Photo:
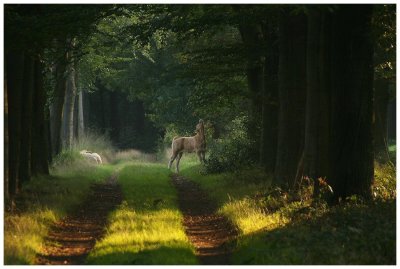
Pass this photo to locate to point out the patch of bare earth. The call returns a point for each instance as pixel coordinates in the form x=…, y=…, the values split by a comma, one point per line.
x=70, y=239
x=212, y=234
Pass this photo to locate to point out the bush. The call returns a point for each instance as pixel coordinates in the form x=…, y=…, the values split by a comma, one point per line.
x=232, y=153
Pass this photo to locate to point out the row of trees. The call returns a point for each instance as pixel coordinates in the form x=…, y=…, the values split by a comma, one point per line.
x=311, y=71
x=40, y=89
x=303, y=76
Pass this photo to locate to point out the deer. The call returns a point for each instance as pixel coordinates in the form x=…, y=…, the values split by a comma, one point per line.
x=196, y=143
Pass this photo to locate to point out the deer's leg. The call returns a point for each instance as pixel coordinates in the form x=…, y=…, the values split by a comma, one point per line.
x=171, y=160
x=203, y=156
x=178, y=160
x=199, y=155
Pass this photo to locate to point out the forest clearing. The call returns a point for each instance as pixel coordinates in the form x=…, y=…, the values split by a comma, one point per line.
x=199, y=134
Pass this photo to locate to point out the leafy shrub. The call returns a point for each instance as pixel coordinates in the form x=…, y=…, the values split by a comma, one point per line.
x=234, y=151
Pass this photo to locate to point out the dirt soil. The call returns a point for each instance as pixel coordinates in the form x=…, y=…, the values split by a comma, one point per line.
x=213, y=235
x=70, y=239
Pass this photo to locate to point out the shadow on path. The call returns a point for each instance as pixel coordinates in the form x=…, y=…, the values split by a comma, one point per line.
x=210, y=233
x=70, y=239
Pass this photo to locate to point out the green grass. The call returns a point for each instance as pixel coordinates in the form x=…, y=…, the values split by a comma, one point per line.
x=235, y=197
x=42, y=201
x=147, y=227
x=298, y=233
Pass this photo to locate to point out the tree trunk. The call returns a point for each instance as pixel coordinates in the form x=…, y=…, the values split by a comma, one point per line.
x=269, y=124
x=252, y=37
x=380, y=130
x=47, y=128
x=26, y=120
x=292, y=93
x=68, y=117
x=351, y=148
x=391, y=119
x=76, y=112
x=314, y=162
x=6, y=141
x=114, y=116
x=81, y=122
x=56, y=109
x=14, y=62
x=40, y=148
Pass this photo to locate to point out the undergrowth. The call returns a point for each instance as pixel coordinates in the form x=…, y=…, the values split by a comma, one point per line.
x=90, y=141
x=42, y=201
x=277, y=227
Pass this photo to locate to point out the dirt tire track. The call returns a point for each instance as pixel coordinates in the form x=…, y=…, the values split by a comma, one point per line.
x=71, y=239
x=211, y=234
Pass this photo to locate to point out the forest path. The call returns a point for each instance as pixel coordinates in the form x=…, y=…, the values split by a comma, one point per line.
x=70, y=239
x=209, y=232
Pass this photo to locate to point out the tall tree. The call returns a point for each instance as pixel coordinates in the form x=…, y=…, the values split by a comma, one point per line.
x=270, y=108
x=40, y=151
x=252, y=36
x=57, y=105
x=315, y=162
x=351, y=148
x=81, y=121
x=69, y=104
x=6, y=140
x=292, y=93
x=14, y=60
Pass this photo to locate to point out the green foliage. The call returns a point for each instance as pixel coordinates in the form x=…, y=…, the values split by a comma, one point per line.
x=384, y=34
x=179, y=76
x=233, y=152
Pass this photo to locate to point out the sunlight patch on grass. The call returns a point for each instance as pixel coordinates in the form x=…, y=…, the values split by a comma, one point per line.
x=42, y=201
x=297, y=232
x=24, y=234
x=249, y=218
x=235, y=198
x=147, y=226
